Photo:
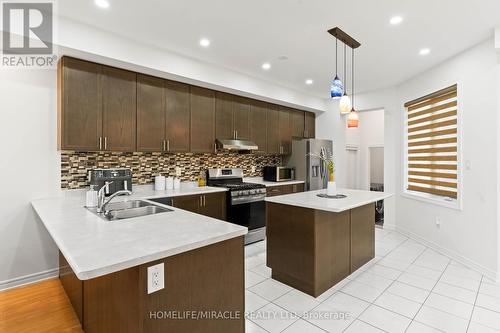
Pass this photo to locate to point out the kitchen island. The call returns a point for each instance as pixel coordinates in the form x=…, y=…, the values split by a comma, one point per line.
x=313, y=243
x=104, y=265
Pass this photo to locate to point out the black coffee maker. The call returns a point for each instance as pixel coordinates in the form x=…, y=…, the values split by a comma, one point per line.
x=117, y=178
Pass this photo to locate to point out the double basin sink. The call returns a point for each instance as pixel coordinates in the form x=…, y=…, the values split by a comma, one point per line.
x=129, y=209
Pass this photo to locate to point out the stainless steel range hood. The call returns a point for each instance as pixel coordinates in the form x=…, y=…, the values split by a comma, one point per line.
x=238, y=145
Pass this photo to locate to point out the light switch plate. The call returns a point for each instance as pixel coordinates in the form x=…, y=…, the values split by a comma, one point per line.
x=156, y=278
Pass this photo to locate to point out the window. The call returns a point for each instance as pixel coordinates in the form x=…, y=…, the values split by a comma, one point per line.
x=432, y=146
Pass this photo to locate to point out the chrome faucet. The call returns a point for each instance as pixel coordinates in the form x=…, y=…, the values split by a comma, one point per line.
x=101, y=197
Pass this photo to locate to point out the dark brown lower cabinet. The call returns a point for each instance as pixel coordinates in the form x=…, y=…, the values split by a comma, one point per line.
x=200, y=281
x=362, y=239
x=211, y=204
x=312, y=250
x=284, y=189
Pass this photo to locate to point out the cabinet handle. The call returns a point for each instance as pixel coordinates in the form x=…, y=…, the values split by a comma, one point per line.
x=215, y=148
x=201, y=201
x=168, y=145
x=105, y=142
x=204, y=201
x=236, y=134
x=100, y=143
x=164, y=145
x=172, y=202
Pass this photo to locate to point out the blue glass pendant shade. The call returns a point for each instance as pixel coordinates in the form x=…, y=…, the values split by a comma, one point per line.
x=336, y=88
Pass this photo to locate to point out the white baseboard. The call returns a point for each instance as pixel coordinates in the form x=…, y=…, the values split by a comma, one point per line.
x=388, y=226
x=452, y=254
x=29, y=279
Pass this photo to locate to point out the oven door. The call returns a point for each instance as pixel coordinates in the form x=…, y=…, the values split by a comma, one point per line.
x=251, y=215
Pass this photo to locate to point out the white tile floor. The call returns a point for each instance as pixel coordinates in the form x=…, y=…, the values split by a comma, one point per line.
x=406, y=288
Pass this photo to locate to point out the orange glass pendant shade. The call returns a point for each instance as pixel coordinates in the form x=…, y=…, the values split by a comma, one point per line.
x=352, y=119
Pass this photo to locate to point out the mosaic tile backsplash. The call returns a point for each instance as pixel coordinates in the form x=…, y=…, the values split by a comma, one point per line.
x=145, y=166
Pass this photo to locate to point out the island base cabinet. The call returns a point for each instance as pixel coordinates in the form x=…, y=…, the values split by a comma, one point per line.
x=312, y=250
x=207, y=282
x=362, y=235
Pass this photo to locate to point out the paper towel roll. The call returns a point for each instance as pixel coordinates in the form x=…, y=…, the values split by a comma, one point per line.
x=160, y=183
x=170, y=183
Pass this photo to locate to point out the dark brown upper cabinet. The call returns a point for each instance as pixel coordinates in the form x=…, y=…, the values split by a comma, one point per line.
x=297, y=119
x=257, y=124
x=105, y=108
x=79, y=105
x=273, y=137
x=241, y=112
x=119, y=88
x=202, y=120
x=232, y=117
x=178, y=115
x=285, y=133
x=150, y=113
x=310, y=125
x=224, y=116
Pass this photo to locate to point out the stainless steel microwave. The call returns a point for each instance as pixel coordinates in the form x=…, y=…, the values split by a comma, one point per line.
x=278, y=174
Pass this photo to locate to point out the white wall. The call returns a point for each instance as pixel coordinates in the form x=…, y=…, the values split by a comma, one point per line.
x=470, y=235
x=29, y=169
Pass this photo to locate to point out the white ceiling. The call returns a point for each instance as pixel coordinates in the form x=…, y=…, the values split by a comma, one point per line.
x=246, y=33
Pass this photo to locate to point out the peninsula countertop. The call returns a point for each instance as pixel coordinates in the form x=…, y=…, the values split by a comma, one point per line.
x=355, y=198
x=94, y=247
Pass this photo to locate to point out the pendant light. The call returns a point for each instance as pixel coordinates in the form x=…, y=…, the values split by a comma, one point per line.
x=353, y=117
x=345, y=102
x=337, y=87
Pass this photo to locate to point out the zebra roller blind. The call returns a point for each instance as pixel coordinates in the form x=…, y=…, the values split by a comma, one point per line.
x=432, y=145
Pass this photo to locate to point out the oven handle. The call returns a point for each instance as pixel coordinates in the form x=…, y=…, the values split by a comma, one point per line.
x=253, y=198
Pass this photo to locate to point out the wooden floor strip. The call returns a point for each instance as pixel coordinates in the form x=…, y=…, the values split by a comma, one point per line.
x=41, y=307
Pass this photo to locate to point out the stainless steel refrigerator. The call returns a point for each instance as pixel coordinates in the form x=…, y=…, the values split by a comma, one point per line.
x=308, y=166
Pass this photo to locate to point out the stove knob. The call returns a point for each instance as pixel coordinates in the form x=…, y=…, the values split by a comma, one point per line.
x=234, y=194
x=252, y=191
x=246, y=192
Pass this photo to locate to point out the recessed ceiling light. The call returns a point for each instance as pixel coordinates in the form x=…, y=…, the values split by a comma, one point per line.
x=102, y=3
x=425, y=51
x=205, y=42
x=395, y=20
x=309, y=82
x=266, y=66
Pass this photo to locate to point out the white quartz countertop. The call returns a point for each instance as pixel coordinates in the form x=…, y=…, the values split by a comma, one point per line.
x=355, y=198
x=260, y=180
x=94, y=247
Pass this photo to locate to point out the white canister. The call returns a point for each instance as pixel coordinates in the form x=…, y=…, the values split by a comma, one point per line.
x=170, y=183
x=160, y=183
x=177, y=183
x=331, y=189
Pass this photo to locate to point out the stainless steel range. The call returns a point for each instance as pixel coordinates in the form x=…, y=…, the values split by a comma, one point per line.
x=245, y=201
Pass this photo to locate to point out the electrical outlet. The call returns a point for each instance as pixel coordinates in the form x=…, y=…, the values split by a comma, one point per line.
x=178, y=171
x=156, y=278
x=438, y=222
